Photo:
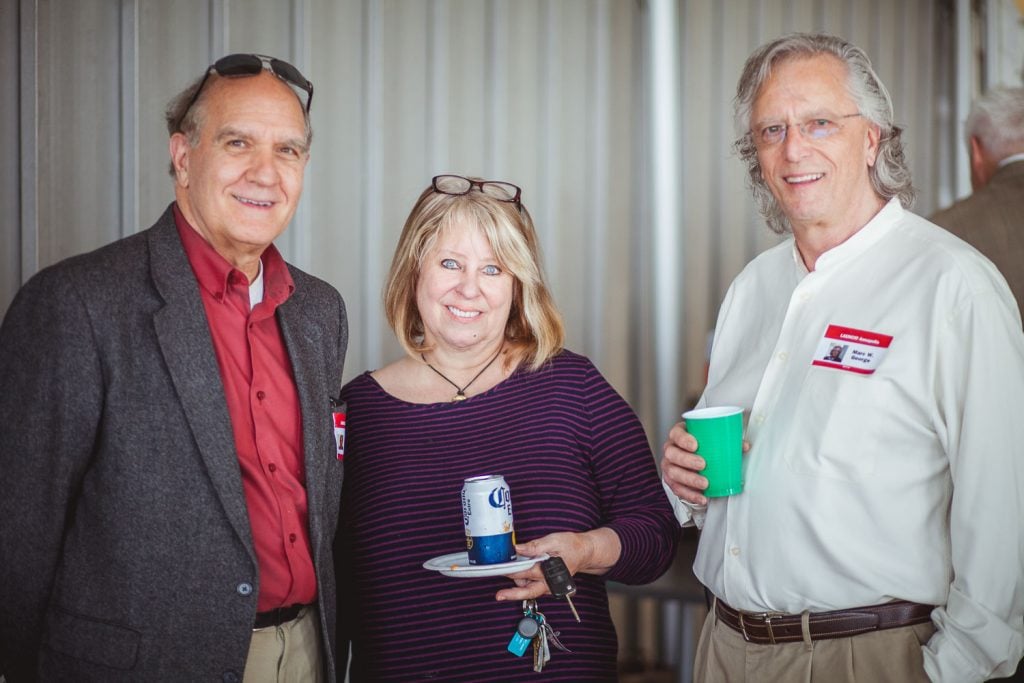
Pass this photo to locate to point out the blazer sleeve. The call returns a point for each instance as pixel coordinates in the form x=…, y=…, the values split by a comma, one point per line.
x=51, y=404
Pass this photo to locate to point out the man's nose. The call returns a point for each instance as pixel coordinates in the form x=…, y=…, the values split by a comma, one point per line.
x=263, y=168
x=795, y=144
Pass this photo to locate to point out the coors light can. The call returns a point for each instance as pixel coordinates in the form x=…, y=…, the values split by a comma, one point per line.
x=487, y=516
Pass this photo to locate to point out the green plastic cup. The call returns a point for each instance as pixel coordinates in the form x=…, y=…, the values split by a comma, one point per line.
x=719, y=434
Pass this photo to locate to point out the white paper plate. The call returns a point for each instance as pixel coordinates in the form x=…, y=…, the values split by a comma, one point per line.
x=457, y=564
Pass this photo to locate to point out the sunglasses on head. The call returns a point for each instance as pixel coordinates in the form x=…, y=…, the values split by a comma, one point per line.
x=251, y=65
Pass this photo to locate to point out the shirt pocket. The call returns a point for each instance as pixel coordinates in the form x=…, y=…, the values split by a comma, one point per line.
x=835, y=435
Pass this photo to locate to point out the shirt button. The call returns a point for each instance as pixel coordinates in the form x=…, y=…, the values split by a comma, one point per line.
x=272, y=467
x=735, y=551
x=261, y=395
x=219, y=296
x=806, y=296
x=759, y=418
x=244, y=588
x=783, y=355
x=292, y=537
x=229, y=677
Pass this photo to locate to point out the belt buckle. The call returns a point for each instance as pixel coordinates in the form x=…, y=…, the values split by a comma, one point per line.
x=766, y=617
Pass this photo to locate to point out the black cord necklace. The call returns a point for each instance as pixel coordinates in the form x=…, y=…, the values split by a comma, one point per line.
x=460, y=392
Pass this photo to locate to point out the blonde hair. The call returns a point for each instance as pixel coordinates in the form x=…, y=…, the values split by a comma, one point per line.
x=534, y=329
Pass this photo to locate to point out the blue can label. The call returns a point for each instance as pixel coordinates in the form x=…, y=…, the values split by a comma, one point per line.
x=487, y=517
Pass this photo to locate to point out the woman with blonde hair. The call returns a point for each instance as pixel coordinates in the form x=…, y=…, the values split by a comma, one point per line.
x=486, y=387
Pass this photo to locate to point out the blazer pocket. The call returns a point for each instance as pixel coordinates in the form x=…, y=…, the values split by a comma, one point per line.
x=92, y=640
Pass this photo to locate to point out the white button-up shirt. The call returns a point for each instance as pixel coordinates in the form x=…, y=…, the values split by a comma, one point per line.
x=895, y=473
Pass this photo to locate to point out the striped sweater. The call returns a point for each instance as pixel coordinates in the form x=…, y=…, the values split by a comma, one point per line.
x=575, y=457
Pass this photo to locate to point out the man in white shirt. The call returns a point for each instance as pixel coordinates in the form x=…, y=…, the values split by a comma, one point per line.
x=878, y=536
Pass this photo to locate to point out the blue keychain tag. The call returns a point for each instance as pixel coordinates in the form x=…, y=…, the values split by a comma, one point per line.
x=526, y=631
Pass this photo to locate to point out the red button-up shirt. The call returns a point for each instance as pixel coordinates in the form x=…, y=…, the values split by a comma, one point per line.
x=266, y=418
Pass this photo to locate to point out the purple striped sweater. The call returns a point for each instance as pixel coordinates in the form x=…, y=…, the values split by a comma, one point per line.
x=575, y=457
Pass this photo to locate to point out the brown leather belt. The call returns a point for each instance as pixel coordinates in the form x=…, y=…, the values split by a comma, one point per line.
x=277, y=616
x=770, y=628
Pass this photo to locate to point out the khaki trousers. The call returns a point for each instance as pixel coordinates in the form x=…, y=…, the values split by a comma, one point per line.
x=289, y=653
x=893, y=655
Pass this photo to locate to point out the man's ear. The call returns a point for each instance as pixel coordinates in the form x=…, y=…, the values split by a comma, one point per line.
x=180, y=149
x=980, y=166
x=872, y=139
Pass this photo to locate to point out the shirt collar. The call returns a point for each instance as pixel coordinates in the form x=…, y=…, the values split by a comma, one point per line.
x=215, y=274
x=1011, y=159
x=860, y=241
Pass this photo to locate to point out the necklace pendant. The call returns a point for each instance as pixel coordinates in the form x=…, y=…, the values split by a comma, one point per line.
x=459, y=397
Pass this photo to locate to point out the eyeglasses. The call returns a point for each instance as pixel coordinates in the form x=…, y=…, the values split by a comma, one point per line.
x=814, y=130
x=252, y=65
x=457, y=185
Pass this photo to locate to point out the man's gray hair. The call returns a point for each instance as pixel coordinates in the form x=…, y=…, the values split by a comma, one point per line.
x=890, y=176
x=997, y=120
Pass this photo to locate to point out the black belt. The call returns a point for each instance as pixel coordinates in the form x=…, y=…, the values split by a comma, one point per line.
x=770, y=628
x=277, y=616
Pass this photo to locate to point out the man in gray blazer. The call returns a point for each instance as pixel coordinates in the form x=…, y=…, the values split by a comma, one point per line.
x=992, y=219
x=169, y=475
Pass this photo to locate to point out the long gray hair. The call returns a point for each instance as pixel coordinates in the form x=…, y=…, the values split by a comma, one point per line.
x=890, y=176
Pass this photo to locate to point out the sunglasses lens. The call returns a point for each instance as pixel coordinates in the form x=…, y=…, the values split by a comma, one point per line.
x=452, y=184
x=288, y=73
x=238, y=65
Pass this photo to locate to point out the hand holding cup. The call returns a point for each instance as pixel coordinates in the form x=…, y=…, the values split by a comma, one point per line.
x=719, y=434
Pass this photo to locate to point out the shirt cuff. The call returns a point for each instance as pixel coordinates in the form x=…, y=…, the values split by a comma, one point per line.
x=686, y=513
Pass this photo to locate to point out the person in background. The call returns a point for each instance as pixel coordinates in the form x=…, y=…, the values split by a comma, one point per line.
x=170, y=480
x=992, y=218
x=878, y=535
x=485, y=387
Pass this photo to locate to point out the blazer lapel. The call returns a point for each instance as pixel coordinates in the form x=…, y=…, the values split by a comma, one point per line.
x=304, y=340
x=184, y=337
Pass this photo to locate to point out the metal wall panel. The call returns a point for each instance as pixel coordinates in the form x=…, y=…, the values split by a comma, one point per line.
x=10, y=164
x=78, y=119
x=1004, y=44
x=551, y=94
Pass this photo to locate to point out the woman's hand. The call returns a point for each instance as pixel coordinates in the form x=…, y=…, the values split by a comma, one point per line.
x=592, y=552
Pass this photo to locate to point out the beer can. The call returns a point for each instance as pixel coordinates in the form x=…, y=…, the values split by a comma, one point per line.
x=487, y=516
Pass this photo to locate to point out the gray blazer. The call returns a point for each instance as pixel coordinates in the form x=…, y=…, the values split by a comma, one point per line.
x=125, y=547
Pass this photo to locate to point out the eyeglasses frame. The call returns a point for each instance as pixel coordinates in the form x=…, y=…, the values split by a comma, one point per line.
x=800, y=126
x=479, y=184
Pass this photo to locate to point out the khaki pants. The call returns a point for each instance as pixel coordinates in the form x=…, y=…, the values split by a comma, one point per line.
x=893, y=655
x=289, y=653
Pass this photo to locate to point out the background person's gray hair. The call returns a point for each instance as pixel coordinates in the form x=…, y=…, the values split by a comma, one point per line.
x=997, y=120
x=890, y=176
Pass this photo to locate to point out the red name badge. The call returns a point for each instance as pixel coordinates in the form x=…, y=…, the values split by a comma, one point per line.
x=851, y=350
x=339, y=429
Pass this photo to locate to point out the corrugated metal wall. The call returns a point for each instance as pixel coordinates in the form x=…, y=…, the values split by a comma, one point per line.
x=553, y=95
